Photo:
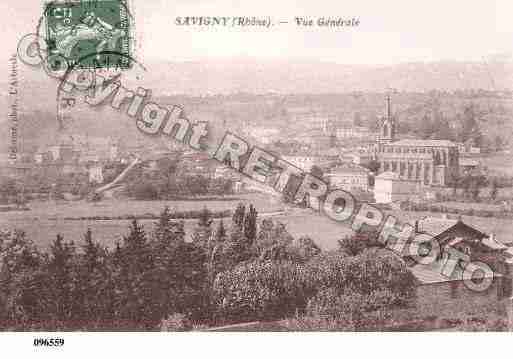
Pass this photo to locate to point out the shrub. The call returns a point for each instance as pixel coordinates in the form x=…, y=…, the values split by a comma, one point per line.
x=144, y=191
x=259, y=290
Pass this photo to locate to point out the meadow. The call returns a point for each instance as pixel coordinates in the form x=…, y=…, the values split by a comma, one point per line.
x=46, y=219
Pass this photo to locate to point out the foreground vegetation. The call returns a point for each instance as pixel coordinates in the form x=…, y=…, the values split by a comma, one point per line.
x=156, y=280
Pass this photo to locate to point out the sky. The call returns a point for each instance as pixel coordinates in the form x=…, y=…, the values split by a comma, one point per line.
x=392, y=31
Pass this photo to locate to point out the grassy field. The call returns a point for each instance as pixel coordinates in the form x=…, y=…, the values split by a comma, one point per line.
x=324, y=231
x=45, y=221
x=115, y=208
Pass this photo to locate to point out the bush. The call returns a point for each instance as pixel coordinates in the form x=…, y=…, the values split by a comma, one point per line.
x=144, y=191
x=259, y=291
x=373, y=269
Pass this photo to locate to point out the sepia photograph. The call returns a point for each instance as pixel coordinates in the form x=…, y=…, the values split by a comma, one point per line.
x=295, y=167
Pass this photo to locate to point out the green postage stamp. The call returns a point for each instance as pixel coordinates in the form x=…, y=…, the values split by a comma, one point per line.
x=90, y=33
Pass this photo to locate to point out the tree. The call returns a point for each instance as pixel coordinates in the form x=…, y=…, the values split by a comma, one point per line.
x=258, y=291
x=23, y=285
x=455, y=180
x=470, y=127
x=357, y=242
x=357, y=119
x=494, y=190
x=475, y=183
x=137, y=305
x=316, y=171
x=167, y=169
x=220, y=232
x=94, y=308
x=167, y=230
x=61, y=281
x=307, y=248
x=205, y=218
x=373, y=166
x=178, y=271
x=274, y=241
x=426, y=127
x=442, y=129
x=498, y=143
x=238, y=216
x=144, y=191
x=202, y=234
x=250, y=224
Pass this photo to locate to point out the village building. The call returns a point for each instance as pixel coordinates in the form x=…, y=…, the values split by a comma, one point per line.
x=468, y=165
x=350, y=132
x=95, y=172
x=305, y=161
x=467, y=148
x=348, y=177
x=442, y=295
x=467, y=239
x=389, y=187
x=360, y=157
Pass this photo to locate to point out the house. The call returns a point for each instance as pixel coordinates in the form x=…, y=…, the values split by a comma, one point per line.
x=355, y=132
x=467, y=148
x=95, y=173
x=360, y=157
x=349, y=176
x=447, y=296
x=449, y=299
x=390, y=187
x=465, y=238
x=468, y=165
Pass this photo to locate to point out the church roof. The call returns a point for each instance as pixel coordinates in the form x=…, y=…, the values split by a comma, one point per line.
x=424, y=143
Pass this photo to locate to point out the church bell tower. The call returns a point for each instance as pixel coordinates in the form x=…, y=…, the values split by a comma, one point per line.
x=387, y=133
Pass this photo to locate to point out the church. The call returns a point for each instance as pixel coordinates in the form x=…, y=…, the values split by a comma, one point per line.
x=432, y=162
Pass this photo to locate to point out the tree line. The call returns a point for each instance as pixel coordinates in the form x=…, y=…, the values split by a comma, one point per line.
x=158, y=279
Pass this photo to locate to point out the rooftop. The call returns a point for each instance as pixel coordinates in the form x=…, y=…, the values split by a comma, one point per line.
x=393, y=177
x=424, y=143
x=432, y=273
x=468, y=162
x=348, y=168
x=435, y=226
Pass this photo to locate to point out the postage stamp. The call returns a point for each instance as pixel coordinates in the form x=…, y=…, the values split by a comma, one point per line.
x=90, y=33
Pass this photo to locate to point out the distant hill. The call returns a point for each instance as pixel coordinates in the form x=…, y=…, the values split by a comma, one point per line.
x=310, y=77
x=38, y=92
x=216, y=76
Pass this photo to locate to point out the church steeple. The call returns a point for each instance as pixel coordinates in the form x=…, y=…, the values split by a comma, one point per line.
x=387, y=133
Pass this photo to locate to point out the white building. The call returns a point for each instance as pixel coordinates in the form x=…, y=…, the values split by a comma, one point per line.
x=389, y=187
x=95, y=173
x=348, y=176
x=468, y=149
